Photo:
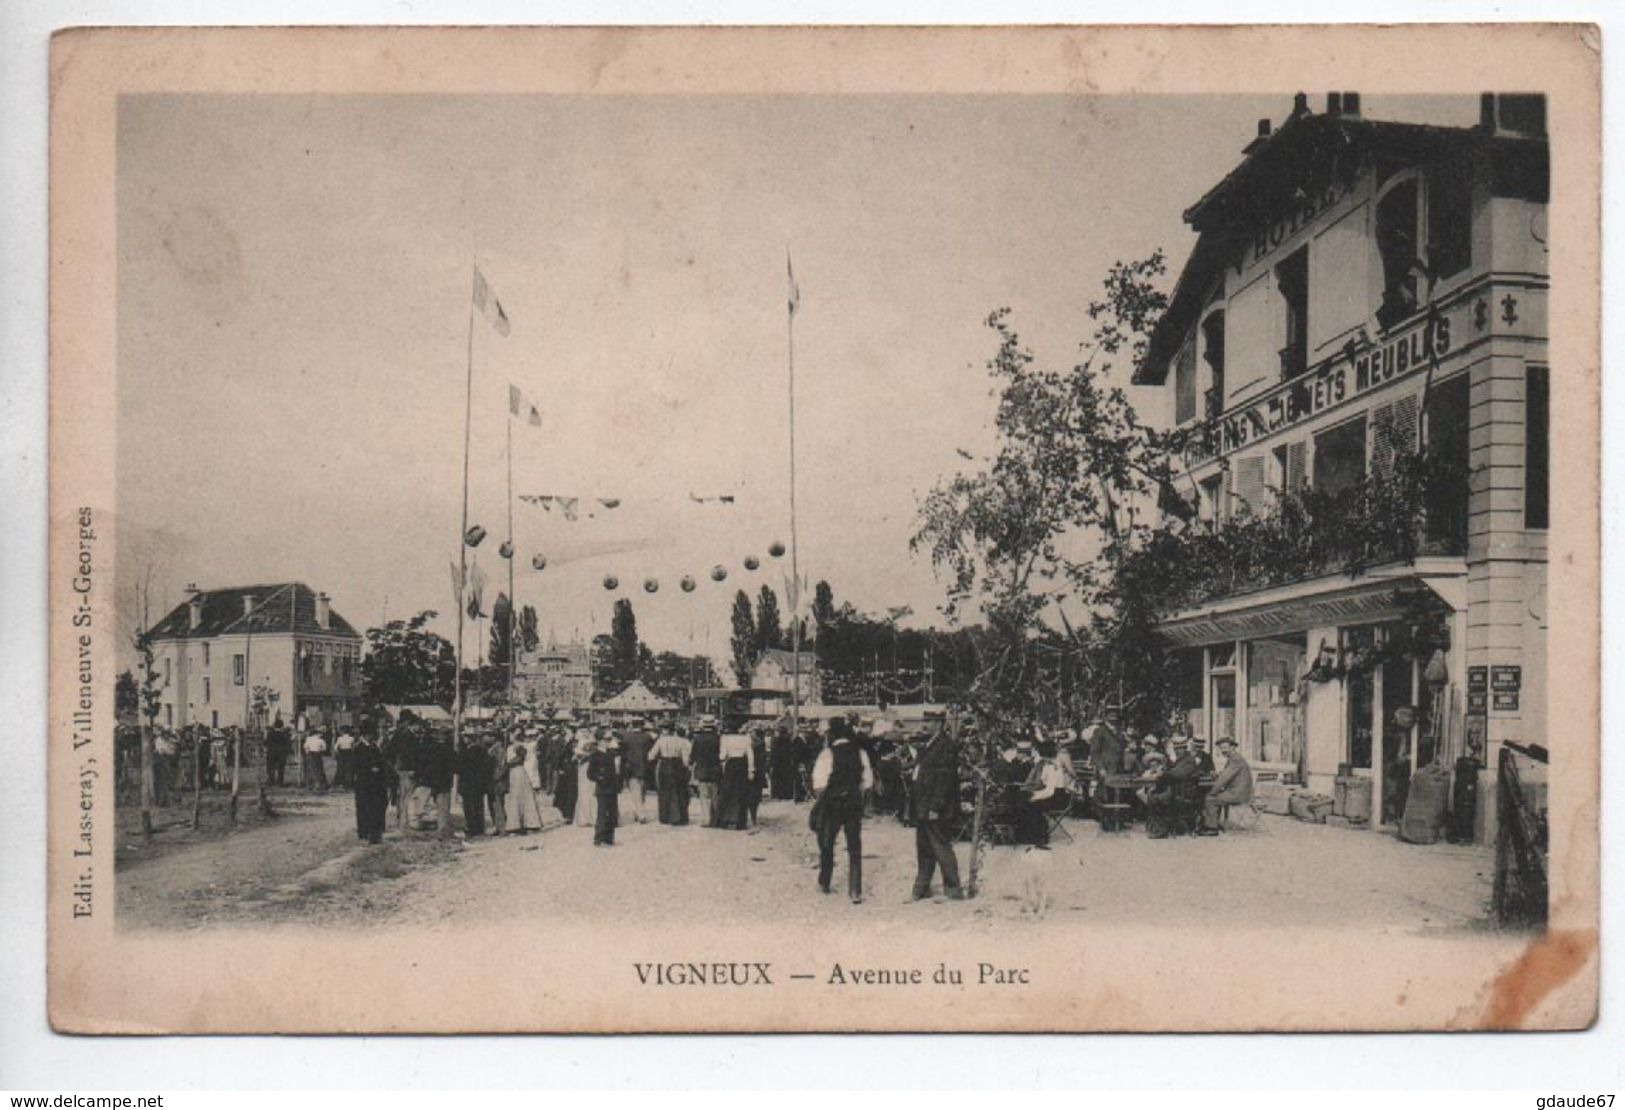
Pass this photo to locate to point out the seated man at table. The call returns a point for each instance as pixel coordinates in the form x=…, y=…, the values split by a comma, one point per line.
x=1044, y=792
x=1176, y=789
x=1232, y=786
x=1156, y=765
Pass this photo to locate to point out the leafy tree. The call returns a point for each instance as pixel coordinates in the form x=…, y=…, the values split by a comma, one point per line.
x=408, y=665
x=823, y=606
x=501, y=649
x=1043, y=521
x=529, y=638
x=769, y=629
x=602, y=655
x=126, y=698
x=743, y=640
x=623, y=631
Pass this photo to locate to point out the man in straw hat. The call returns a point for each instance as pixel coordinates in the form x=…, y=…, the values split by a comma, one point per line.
x=1233, y=786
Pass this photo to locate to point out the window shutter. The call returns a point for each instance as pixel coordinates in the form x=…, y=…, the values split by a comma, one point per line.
x=1393, y=431
x=1297, y=470
x=1185, y=384
x=1247, y=483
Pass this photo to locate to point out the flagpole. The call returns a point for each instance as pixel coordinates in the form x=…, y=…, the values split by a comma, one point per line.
x=795, y=565
x=513, y=602
x=462, y=546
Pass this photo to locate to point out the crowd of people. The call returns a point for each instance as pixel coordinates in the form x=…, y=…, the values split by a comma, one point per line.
x=512, y=778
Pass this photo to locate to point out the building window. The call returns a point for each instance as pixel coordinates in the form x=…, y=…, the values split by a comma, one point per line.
x=1424, y=235
x=1210, y=508
x=1340, y=457
x=1448, y=444
x=1213, y=355
x=1396, y=243
x=305, y=670
x=214, y=718
x=1292, y=282
x=1185, y=384
x=1449, y=220
x=166, y=670
x=1536, y=448
x=169, y=715
x=205, y=654
x=238, y=669
x=208, y=690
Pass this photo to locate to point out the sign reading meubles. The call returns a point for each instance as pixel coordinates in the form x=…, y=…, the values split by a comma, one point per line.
x=1344, y=376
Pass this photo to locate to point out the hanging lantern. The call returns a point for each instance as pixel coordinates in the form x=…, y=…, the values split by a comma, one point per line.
x=539, y=562
x=611, y=582
x=752, y=562
x=687, y=583
x=775, y=549
x=651, y=585
x=506, y=550
x=718, y=573
x=473, y=536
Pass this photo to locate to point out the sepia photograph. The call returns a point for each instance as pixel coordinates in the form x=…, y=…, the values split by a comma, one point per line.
x=881, y=557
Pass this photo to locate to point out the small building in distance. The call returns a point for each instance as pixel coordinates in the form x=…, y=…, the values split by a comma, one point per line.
x=283, y=643
x=555, y=677
x=776, y=670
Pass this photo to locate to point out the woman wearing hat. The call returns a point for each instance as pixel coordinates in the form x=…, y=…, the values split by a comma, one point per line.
x=520, y=807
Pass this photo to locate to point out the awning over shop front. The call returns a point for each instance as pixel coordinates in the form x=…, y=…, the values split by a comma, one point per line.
x=1318, y=603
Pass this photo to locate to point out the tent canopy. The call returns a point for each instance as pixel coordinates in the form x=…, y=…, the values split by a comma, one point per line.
x=636, y=698
x=431, y=713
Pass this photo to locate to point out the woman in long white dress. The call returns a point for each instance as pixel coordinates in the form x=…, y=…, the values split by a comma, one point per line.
x=586, y=793
x=523, y=816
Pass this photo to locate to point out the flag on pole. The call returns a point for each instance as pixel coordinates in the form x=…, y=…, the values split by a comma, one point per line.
x=486, y=301
x=795, y=290
x=521, y=406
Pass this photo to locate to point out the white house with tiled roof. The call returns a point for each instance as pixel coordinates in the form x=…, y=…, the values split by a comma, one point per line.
x=214, y=649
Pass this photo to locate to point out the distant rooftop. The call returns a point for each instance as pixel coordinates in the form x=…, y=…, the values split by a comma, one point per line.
x=278, y=607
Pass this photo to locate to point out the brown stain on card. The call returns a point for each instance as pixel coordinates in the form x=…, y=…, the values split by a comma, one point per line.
x=1546, y=964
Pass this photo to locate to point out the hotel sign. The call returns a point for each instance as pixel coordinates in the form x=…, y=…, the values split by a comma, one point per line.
x=1338, y=379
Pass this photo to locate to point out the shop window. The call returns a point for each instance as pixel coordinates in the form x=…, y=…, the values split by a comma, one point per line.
x=1274, y=713
x=1185, y=385
x=1213, y=355
x=1362, y=696
x=1340, y=457
x=1292, y=282
x=1536, y=448
x=1188, y=689
x=1397, y=734
x=1448, y=445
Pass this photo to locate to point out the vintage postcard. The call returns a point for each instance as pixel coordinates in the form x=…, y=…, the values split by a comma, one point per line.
x=635, y=530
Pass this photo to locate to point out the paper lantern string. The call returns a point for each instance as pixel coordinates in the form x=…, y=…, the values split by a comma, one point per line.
x=752, y=562
x=474, y=535
x=539, y=562
x=651, y=585
x=775, y=549
x=611, y=582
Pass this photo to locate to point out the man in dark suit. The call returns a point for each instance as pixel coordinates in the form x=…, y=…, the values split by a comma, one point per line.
x=936, y=800
x=705, y=765
x=603, y=772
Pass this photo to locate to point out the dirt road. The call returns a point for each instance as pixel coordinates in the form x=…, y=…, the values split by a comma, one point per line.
x=309, y=868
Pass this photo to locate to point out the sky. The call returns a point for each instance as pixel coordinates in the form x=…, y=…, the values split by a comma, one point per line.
x=295, y=340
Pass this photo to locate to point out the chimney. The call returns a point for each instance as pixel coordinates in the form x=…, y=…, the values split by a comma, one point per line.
x=194, y=606
x=323, y=614
x=1351, y=104
x=248, y=605
x=1300, y=105
x=1260, y=139
x=1518, y=113
x=1334, y=104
